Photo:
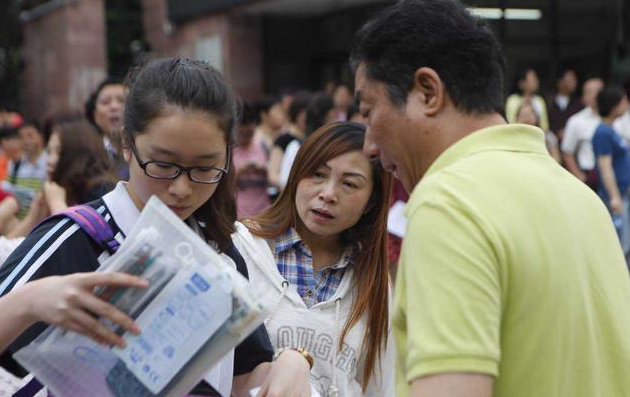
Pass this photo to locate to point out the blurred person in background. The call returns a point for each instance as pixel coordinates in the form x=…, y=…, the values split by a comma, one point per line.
x=10, y=145
x=354, y=114
x=342, y=99
x=287, y=96
x=613, y=161
x=272, y=121
x=77, y=169
x=622, y=123
x=527, y=115
x=8, y=119
x=563, y=103
x=525, y=90
x=319, y=112
x=11, y=148
x=77, y=166
x=250, y=164
x=25, y=174
x=14, y=198
x=293, y=135
x=576, y=146
x=329, y=86
x=104, y=109
x=297, y=114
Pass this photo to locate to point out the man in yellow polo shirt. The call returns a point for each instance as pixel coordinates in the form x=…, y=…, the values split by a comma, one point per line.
x=512, y=281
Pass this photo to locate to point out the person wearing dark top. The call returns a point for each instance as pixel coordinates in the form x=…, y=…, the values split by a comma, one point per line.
x=178, y=122
x=77, y=165
x=564, y=103
x=613, y=161
x=296, y=132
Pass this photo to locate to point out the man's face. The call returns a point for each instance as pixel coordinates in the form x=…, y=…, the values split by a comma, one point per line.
x=12, y=147
x=590, y=90
x=568, y=83
x=392, y=130
x=33, y=142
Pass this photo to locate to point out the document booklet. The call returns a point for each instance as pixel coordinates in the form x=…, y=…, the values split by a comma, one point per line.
x=196, y=309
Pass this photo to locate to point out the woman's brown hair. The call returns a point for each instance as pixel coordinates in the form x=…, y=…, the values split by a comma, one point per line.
x=83, y=164
x=371, y=285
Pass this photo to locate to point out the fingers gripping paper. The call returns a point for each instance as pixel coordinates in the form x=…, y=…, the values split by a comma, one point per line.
x=195, y=310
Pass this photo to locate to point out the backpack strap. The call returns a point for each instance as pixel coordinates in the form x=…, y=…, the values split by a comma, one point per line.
x=93, y=224
x=30, y=389
x=236, y=256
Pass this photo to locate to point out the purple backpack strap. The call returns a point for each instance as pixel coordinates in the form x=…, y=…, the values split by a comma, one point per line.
x=93, y=224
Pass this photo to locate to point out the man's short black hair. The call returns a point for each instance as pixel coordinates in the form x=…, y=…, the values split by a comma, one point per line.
x=439, y=34
x=31, y=122
x=248, y=114
x=608, y=98
x=267, y=102
x=300, y=103
x=560, y=73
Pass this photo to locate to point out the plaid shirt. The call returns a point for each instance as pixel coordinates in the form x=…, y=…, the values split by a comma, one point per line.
x=295, y=263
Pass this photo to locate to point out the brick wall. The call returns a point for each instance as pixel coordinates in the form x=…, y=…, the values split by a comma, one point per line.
x=64, y=56
x=241, y=57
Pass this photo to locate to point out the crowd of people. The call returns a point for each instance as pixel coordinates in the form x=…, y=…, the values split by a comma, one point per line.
x=512, y=278
x=588, y=134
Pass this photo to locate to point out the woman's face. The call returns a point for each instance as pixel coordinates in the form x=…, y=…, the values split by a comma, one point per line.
x=335, y=197
x=342, y=97
x=529, y=85
x=189, y=138
x=54, y=152
x=109, y=108
x=276, y=117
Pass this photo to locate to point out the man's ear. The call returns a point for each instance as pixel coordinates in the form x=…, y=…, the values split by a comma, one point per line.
x=430, y=89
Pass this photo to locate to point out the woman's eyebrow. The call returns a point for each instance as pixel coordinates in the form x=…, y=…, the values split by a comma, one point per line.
x=167, y=152
x=355, y=174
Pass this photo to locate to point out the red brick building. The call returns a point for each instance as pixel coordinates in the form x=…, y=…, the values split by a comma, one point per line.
x=263, y=46
x=64, y=55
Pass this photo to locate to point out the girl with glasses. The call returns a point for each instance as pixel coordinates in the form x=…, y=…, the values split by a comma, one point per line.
x=178, y=122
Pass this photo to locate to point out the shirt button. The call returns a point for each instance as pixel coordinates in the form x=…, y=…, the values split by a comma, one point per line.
x=309, y=292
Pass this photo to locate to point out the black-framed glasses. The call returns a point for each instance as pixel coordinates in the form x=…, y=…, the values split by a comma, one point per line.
x=166, y=170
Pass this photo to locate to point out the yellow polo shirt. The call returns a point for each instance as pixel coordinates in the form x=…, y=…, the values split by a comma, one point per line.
x=511, y=267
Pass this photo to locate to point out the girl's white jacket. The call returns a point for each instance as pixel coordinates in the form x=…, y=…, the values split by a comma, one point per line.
x=291, y=324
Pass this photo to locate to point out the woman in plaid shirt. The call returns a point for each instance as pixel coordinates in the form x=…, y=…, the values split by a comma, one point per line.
x=328, y=284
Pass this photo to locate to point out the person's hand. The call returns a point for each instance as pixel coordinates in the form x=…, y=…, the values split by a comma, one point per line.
x=69, y=302
x=55, y=197
x=616, y=205
x=288, y=377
